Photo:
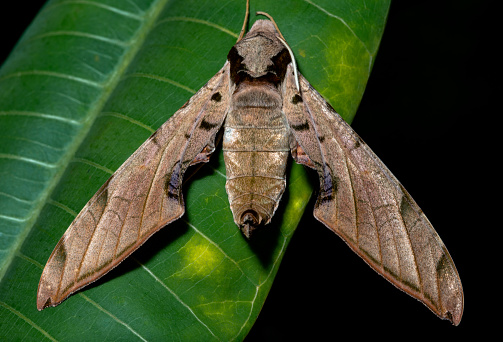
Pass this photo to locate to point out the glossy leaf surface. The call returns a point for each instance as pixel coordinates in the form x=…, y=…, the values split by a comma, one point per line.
x=86, y=85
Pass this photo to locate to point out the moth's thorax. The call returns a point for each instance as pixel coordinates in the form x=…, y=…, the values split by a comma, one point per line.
x=256, y=95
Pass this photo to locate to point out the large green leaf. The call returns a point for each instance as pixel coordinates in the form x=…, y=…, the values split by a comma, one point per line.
x=86, y=85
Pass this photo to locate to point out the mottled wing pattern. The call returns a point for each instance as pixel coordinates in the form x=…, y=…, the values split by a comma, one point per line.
x=367, y=207
x=142, y=196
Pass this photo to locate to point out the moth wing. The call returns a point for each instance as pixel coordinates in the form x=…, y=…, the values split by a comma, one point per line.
x=142, y=196
x=367, y=207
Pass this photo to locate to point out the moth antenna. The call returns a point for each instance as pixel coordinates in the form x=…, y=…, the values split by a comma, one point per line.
x=283, y=40
x=247, y=15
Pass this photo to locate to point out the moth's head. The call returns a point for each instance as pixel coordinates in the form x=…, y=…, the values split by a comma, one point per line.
x=259, y=54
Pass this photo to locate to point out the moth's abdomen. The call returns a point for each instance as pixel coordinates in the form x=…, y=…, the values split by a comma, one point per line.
x=256, y=150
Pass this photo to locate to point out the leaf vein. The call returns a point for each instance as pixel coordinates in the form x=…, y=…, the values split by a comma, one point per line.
x=30, y=260
x=27, y=320
x=127, y=118
x=40, y=115
x=53, y=74
x=62, y=206
x=106, y=7
x=221, y=251
x=161, y=79
x=96, y=165
x=278, y=258
x=200, y=21
x=80, y=34
x=115, y=318
x=27, y=160
x=17, y=199
x=218, y=172
x=341, y=20
x=174, y=295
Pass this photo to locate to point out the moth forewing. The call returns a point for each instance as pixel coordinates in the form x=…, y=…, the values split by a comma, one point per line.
x=368, y=208
x=141, y=197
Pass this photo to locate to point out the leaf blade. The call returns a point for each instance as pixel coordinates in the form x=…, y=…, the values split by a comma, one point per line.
x=146, y=90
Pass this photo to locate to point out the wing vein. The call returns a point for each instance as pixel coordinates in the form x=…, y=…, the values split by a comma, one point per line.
x=354, y=200
x=159, y=163
x=418, y=274
x=77, y=273
x=378, y=236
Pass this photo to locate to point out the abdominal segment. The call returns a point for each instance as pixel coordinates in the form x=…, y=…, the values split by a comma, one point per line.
x=256, y=150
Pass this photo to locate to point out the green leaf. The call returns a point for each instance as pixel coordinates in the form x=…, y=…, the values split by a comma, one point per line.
x=86, y=85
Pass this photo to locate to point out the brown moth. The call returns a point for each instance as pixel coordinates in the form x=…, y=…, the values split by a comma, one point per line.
x=267, y=111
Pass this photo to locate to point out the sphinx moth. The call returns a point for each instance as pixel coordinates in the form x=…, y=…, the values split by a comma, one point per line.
x=266, y=111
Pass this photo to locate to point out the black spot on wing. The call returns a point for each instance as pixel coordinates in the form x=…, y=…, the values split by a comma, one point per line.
x=297, y=99
x=207, y=126
x=153, y=135
x=236, y=64
x=330, y=107
x=216, y=97
x=357, y=144
x=406, y=208
x=302, y=127
x=443, y=264
x=280, y=63
x=60, y=255
x=153, y=138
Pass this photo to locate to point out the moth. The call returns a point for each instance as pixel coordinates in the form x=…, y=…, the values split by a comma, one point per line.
x=267, y=111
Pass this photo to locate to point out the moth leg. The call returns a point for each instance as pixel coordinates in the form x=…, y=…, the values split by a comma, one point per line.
x=301, y=157
x=204, y=155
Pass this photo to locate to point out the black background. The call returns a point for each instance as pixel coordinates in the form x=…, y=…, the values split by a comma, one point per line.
x=424, y=113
